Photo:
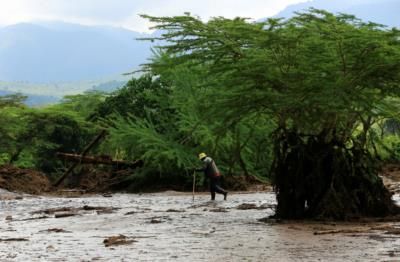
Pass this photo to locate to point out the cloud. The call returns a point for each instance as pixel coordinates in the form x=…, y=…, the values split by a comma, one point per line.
x=124, y=13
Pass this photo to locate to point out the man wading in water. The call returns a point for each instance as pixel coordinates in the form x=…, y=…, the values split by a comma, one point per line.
x=211, y=172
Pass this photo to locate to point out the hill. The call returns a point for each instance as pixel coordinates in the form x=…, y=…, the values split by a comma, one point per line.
x=61, y=52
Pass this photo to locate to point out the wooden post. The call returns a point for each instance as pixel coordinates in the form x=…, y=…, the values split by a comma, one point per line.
x=194, y=182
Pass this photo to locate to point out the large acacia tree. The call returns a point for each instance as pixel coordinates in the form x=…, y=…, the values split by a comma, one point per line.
x=323, y=78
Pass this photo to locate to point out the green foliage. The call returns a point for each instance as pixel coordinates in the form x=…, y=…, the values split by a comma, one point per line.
x=388, y=148
x=168, y=124
x=83, y=104
x=142, y=125
x=240, y=148
x=314, y=73
x=138, y=97
x=139, y=138
x=13, y=132
x=55, y=132
x=14, y=100
x=31, y=137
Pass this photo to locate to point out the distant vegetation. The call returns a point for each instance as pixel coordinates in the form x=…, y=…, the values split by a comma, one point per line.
x=109, y=86
x=39, y=94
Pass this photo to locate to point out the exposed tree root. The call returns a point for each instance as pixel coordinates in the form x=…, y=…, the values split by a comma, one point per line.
x=325, y=180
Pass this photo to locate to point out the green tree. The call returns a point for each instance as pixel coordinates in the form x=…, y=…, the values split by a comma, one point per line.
x=323, y=79
x=30, y=137
x=139, y=97
x=235, y=147
x=51, y=132
x=142, y=125
x=13, y=136
x=13, y=100
x=83, y=105
x=162, y=120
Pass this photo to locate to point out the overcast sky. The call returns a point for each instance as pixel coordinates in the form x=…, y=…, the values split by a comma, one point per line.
x=124, y=13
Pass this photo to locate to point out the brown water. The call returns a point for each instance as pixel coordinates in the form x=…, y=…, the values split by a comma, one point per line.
x=200, y=231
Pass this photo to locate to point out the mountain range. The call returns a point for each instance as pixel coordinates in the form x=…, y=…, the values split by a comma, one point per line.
x=61, y=52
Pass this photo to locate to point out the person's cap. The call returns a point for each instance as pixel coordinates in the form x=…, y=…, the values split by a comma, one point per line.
x=202, y=155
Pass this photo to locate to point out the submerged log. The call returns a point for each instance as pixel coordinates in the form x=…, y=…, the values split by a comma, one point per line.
x=105, y=160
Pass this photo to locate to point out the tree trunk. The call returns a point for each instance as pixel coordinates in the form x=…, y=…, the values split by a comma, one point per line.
x=325, y=180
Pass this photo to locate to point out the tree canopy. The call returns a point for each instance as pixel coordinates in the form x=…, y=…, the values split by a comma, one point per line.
x=314, y=72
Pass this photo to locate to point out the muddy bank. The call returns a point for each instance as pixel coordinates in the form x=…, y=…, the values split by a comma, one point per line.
x=92, y=180
x=23, y=180
x=170, y=226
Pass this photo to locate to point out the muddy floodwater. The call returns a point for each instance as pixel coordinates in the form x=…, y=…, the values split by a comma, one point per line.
x=169, y=226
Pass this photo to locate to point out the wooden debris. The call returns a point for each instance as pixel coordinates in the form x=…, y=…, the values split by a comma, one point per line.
x=60, y=215
x=389, y=230
x=393, y=231
x=74, y=210
x=246, y=206
x=105, y=160
x=266, y=206
x=50, y=248
x=55, y=230
x=107, y=195
x=72, y=191
x=50, y=211
x=155, y=221
x=13, y=239
x=117, y=240
x=33, y=218
x=159, y=219
x=344, y=231
x=204, y=232
x=105, y=211
x=84, y=152
x=219, y=209
x=382, y=227
x=174, y=210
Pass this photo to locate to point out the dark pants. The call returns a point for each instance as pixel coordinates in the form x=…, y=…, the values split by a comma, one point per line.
x=215, y=186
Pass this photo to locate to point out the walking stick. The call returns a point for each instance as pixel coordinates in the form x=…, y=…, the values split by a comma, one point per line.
x=194, y=182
